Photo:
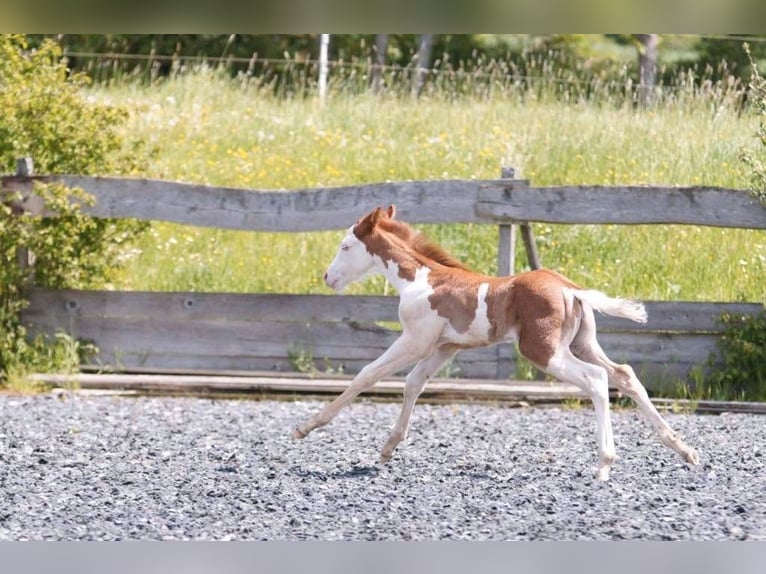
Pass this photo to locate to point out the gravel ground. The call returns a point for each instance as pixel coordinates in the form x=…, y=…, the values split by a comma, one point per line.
x=79, y=467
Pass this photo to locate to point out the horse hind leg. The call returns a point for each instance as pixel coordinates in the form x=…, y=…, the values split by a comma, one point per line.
x=622, y=377
x=592, y=379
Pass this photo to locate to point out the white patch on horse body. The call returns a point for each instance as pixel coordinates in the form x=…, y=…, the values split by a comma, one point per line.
x=405, y=288
x=478, y=331
x=414, y=305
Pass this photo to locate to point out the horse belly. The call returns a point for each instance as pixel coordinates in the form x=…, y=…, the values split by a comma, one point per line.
x=469, y=338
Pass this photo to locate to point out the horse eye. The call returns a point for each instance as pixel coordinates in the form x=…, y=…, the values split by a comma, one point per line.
x=344, y=247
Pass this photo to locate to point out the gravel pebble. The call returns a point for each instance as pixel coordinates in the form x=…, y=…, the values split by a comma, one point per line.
x=76, y=467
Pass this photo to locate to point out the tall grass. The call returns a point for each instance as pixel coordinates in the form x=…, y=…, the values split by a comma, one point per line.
x=211, y=129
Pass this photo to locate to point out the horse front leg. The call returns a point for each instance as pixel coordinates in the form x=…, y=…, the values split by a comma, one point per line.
x=402, y=353
x=413, y=386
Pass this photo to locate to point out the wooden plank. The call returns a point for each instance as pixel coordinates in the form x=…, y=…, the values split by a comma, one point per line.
x=658, y=348
x=713, y=407
x=241, y=331
x=275, y=210
x=140, y=342
x=183, y=306
x=349, y=339
x=153, y=363
x=472, y=389
x=665, y=376
x=460, y=201
x=440, y=389
x=20, y=189
x=231, y=338
x=623, y=205
x=678, y=316
x=274, y=345
x=664, y=316
x=234, y=339
x=183, y=363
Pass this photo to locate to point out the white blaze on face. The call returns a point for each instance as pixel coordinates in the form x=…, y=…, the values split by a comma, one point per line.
x=352, y=262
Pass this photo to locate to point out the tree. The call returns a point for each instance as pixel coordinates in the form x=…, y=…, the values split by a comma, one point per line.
x=380, y=49
x=647, y=66
x=423, y=62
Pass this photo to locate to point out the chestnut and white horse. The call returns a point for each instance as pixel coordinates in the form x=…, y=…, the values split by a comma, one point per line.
x=445, y=307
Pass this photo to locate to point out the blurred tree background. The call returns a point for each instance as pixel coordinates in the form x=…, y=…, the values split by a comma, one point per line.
x=712, y=57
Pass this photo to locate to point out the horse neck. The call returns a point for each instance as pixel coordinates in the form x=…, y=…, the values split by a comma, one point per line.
x=400, y=263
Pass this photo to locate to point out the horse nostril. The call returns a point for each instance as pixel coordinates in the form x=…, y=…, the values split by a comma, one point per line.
x=325, y=276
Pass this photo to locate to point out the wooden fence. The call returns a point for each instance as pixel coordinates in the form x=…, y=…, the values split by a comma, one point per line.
x=215, y=332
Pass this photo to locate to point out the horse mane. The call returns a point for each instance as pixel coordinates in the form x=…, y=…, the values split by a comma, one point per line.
x=423, y=245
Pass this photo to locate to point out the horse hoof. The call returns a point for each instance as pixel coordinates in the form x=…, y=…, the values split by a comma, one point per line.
x=297, y=434
x=603, y=474
x=692, y=457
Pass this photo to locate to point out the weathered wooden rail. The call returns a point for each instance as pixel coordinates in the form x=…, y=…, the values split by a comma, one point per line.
x=154, y=332
x=137, y=331
x=447, y=201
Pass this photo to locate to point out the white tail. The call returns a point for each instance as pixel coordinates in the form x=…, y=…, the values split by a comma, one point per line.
x=602, y=303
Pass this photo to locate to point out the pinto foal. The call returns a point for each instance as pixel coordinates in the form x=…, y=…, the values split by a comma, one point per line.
x=445, y=307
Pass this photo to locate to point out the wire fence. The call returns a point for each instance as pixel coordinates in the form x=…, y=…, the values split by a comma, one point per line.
x=539, y=75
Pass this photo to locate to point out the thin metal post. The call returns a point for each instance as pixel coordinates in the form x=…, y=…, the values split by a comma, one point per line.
x=324, y=42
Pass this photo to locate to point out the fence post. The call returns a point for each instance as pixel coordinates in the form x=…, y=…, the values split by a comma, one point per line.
x=530, y=246
x=506, y=249
x=25, y=168
x=506, y=263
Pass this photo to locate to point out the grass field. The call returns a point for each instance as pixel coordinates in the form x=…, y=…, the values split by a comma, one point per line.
x=208, y=129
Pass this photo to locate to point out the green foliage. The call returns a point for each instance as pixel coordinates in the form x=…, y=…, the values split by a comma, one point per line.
x=44, y=114
x=72, y=250
x=725, y=55
x=753, y=160
x=743, y=351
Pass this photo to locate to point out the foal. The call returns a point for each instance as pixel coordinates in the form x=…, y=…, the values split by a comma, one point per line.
x=445, y=307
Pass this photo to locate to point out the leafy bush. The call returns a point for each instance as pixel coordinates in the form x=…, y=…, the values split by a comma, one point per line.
x=753, y=160
x=743, y=350
x=743, y=344
x=44, y=114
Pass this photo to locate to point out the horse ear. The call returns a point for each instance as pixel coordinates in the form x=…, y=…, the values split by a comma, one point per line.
x=364, y=226
x=391, y=211
x=377, y=214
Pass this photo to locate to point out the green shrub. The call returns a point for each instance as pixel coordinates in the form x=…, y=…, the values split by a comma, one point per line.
x=753, y=160
x=743, y=350
x=44, y=114
x=743, y=344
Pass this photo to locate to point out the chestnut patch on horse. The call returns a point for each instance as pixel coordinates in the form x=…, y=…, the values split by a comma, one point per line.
x=455, y=297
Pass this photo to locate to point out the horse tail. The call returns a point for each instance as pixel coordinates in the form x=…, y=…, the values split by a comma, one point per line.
x=625, y=308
